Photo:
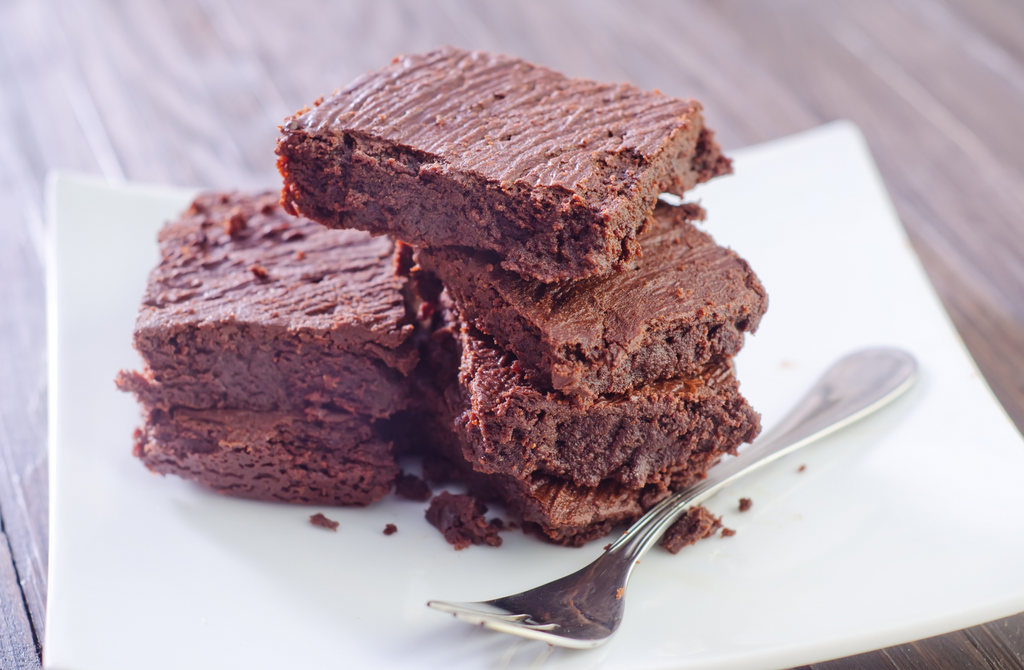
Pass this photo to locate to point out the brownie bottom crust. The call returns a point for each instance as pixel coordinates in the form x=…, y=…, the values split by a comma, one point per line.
x=327, y=458
x=556, y=509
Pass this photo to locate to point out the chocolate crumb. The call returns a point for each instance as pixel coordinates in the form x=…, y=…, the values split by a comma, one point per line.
x=619, y=592
x=696, y=524
x=390, y=529
x=258, y=271
x=411, y=487
x=320, y=520
x=235, y=223
x=460, y=518
x=745, y=504
x=728, y=532
x=608, y=546
x=801, y=468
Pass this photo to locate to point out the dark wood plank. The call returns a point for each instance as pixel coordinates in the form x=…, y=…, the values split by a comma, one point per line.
x=17, y=647
x=1002, y=642
x=945, y=652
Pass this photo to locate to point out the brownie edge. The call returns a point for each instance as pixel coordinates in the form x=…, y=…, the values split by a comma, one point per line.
x=686, y=302
x=453, y=147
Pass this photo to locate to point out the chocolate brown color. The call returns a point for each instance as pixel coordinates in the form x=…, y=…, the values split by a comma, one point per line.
x=559, y=509
x=333, y=459
x=411, y=487
x=322, y=323
x=452, y=147
x=460, y=518
x=320, y=521
x=508, y=426
x=684, y=303
x=696, y=524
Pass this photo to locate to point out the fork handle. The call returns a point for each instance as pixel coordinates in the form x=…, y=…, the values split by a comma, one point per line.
x=854, y=387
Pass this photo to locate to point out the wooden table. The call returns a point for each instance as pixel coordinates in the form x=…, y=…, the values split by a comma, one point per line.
x=189, y=92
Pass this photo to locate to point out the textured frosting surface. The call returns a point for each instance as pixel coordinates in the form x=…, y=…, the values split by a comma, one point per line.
x=505, y=119
x=684, y=302
x=238, y=258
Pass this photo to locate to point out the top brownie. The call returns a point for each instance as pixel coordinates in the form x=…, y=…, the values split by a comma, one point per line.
x=253, y=309
x=684, y=303
x=451, y=147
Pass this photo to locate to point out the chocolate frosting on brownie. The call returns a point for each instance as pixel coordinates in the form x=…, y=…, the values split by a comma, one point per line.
x=524, y=115
x=685, y=302
x=450, y=147
x=251, y=308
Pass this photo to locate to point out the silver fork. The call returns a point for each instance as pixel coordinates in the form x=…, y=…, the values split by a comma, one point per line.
x=584, y=609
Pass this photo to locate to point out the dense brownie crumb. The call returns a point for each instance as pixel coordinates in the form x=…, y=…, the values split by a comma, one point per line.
x=553, y=508
x=234, y=320
x=390, y=529
x=474, y=149
x=411, y=487
x=508, y=426
x=686, y=302
x=728, y=532
x=745, y=504
x=460, y=518
x=696, y=524
x=321, y=521
x=324, y=458
x=801, y=468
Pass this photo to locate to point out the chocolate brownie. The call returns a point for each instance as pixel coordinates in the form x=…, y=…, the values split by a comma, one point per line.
x=696, y=524
x=508, y=426
x=328, y=458
x=320, y=521
x=253, y=309
x=561, y=510
x=411, y=487
x=686, y=302
x=557, y=509
x=467, y=148
x=460, y=518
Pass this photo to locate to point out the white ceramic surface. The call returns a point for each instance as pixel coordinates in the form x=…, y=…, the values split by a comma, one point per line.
x=903, y=526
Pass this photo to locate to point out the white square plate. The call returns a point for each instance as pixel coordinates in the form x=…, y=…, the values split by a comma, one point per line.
x=906, y=525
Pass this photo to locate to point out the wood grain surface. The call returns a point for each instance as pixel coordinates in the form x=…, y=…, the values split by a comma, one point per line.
x=189, y=92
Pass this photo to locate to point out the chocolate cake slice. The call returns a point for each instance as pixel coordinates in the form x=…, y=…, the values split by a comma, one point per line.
x=508, y=426
x=458, y=148
x=329, y=458
x=252, y=309
x=683, y=304
x=539, y=488
x=557, y=509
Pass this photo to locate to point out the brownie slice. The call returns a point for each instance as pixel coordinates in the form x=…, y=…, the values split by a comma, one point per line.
x=508, y=426
x=556, y=509
x=560, y=509
x=253, y=309
x=452, y=147
x=329, y=458
x=686, y=302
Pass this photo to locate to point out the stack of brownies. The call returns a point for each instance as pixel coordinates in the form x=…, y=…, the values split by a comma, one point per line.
x=530, y=314
x=579, y=332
